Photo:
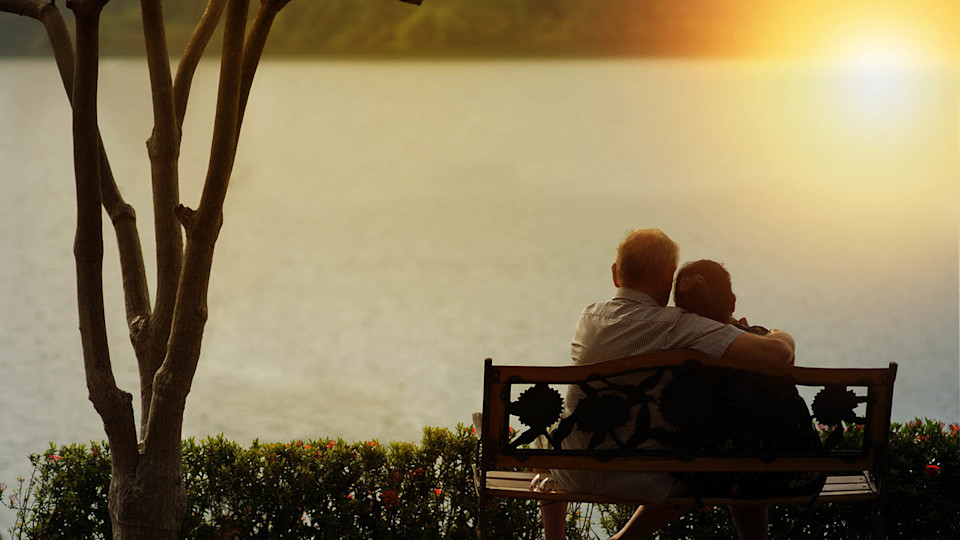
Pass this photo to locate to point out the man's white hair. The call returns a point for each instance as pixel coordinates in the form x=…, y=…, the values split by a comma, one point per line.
x=645, y=254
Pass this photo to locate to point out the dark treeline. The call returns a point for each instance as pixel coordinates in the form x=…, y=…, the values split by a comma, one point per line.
x=441, y=28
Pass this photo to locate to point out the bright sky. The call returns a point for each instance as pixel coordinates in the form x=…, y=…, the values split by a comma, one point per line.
x=873, y=31
x=881, y=54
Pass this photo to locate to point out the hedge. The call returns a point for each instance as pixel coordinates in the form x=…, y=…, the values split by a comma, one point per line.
x=331, y=489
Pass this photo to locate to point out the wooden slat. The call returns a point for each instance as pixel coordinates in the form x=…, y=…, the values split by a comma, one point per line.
x=801, y=375
x=516, y=484
x=664, y=464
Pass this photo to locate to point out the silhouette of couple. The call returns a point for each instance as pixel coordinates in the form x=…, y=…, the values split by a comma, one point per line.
x=636, y=321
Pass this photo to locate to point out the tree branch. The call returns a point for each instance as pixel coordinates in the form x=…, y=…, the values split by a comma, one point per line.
x=191, y=56
x=163, y=146
x=25, y=8
x=113, y=405
x=172, y=381
x=223, y=149
x=253, y=50
x=122, y=215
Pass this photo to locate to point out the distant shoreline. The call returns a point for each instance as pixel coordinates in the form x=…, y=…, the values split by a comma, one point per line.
x=455, y=57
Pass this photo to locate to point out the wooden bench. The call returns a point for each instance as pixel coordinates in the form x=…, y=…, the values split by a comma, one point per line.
x=530, y=398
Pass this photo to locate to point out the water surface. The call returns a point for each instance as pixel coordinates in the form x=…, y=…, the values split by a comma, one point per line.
x=390, y=225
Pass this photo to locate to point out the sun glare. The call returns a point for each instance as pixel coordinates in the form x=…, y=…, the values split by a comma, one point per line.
x=879, y=72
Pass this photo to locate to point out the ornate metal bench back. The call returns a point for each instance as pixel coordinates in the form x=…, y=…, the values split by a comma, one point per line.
x=683, y=409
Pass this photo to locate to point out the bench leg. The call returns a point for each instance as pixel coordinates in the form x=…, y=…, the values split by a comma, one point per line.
x=483, y=504
x=879, y=521
x=554, y=517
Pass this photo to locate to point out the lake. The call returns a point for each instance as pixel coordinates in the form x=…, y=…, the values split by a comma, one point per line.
x=392, y=224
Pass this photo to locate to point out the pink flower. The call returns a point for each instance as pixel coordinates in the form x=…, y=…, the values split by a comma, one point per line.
x=932, y=470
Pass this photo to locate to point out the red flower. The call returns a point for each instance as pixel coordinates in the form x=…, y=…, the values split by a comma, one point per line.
x=390, y=498
x=54, y=457
x=437, y=491
x=331, y=443
x=932, y=470
x=372, y=444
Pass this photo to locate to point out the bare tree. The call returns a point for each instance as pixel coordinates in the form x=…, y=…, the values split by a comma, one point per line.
x=147, y=495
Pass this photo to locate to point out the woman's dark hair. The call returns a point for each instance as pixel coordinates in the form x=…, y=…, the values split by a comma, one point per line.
x=704, y=287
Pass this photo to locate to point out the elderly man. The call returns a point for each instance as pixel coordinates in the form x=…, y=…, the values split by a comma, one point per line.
x=638, y=321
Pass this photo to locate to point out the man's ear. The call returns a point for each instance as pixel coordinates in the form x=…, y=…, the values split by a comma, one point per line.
x=733, y=304
x=616, y=277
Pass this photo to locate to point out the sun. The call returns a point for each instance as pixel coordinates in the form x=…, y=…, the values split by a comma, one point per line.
x=881, y=48
x=879, y=70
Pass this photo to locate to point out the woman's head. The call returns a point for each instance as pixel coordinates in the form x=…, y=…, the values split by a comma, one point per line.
x=704, y=287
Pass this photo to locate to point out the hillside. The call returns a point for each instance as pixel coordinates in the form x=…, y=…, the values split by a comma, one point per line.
x=441, y=28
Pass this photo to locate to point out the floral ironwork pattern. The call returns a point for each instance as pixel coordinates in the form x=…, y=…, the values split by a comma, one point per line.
x=606, y=406
x=706, y=409
x=834, y=406
x=537, y=408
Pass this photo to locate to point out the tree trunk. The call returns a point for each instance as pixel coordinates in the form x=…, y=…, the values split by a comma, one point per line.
x=147, y=497
x=149, y=503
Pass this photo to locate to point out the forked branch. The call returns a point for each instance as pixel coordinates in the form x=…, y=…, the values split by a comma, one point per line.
x=163, y=147
x=172, y=381
x=113, y=405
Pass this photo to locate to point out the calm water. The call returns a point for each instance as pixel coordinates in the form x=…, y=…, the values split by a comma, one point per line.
x=392, y=224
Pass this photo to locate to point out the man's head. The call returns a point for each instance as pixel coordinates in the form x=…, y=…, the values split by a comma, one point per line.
x=646, y=261
x=704, y=287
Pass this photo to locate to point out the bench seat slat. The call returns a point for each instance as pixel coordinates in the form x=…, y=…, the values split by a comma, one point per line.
x=516, y=484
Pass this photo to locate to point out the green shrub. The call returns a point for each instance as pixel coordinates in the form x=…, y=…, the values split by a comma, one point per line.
x=331, y=489
x=923, y=496
x=323, y=489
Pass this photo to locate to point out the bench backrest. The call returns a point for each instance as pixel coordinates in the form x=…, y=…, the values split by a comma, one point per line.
x=632, y=391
